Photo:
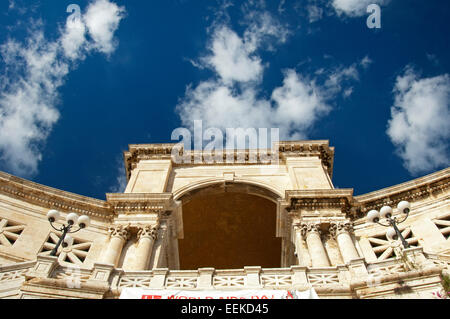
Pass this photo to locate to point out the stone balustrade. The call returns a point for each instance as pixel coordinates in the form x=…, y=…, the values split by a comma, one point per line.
x=248, y=278
x=12, y=277
x=335, y=281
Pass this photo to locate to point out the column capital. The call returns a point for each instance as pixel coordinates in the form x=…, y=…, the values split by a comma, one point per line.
x=337, y=228
x=312, y=231
x=121, y=231
x=148, y=231
x=307, y=228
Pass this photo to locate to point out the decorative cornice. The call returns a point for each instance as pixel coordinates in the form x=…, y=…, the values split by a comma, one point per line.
x=311, y=200
x=53, y=198
x=138, y=152
x=320, y=148
x=411, y=191
x=141, y=203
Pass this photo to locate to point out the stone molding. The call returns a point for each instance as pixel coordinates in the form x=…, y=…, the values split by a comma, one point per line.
x=53, y=198
x=131, y=203
x=411, y=191
x=310, y=200
x=356, y=207
x=319, y=148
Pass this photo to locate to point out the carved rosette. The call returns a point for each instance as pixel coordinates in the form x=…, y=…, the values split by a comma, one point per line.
x=338, y=228
x=120, y=231
x=307, y=228
x=149, y=231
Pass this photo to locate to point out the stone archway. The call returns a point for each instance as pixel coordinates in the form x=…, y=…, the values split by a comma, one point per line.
x=229, y=226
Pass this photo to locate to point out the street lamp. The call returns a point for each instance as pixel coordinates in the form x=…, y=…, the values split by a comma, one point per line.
x=385, y=213
x=72, y=218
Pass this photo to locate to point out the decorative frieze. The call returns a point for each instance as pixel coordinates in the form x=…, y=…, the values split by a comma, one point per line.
x=131, y=203
x=52, y=198
x=301, y=201
x=411, y=191
x=320, y=149
x=308, y=201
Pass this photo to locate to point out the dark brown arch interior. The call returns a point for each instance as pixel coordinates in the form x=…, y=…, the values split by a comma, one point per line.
x=228, y=229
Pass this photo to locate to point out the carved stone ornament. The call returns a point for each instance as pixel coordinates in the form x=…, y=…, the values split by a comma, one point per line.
x=119, y=231
x=307, y=228
x=337, y=228
x=148, y=231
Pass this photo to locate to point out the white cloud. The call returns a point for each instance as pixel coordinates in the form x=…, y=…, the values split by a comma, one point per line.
x=315, y=13
x=73, y=38
x=355, y=8
x=298, y=103
x=295, y=105
x=263, y=30
x=419, y=127
x=102, y=20
x=232, y=59
x=233, y=98
x=366, y=62
x=27, y=105
x=339, y=78
x=34, y=70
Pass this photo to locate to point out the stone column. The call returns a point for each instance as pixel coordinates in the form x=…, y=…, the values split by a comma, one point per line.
x=342, y=232
x=316, y=249
x=300, y=249
x=147, y=236
x=119, y=235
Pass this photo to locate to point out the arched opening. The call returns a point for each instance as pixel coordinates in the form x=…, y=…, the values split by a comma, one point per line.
x=229, y=227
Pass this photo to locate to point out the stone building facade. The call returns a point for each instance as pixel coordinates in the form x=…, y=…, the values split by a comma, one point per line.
x=216, y=224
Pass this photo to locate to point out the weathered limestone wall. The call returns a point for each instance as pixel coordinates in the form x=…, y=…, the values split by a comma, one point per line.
x=150, y=176
x=427, y=225
x=34, y=232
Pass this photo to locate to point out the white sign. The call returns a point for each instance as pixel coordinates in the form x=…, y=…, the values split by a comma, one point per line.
x=139, y=293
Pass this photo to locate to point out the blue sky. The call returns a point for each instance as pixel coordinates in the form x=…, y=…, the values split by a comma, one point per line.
x=76, y=92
